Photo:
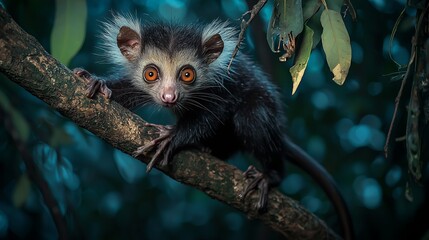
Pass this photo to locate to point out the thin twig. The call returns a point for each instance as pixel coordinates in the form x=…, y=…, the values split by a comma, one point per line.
x=392, y=35
x=350, y=9
x=263, y=50
x=397, y=100
x=244, y=24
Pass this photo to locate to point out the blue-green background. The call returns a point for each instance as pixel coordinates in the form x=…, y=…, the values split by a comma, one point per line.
x=105, y=194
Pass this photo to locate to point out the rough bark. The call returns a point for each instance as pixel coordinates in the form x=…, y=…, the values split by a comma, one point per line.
x=24, y=61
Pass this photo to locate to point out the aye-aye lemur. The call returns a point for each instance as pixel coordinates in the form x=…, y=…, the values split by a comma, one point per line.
x=184, y=68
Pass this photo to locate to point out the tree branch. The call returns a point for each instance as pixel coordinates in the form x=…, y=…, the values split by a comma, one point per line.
x=24, y=61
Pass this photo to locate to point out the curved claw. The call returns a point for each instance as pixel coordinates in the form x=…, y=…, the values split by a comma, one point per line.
x=162, y=144
x=257, y=181
x=162, y=129
x=95, y=84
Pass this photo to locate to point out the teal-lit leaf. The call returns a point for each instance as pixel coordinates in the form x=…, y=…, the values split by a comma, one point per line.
x=336, y=44
x=287, y=17
x=21, y=191
x=412, y=135
x=301, y=58
x=4, y=102
x=69, y=29
x=130, y=169
x=309, y=8
x=47, y=156
x=67, y=176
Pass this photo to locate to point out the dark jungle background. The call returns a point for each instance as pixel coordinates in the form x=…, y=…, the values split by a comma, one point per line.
x=104, y=194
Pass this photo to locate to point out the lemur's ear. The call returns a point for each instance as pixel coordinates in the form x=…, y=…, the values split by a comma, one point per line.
x=212, y=48
x=129, y=42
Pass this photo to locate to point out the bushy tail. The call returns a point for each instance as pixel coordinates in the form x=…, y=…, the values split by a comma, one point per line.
x=301, y=159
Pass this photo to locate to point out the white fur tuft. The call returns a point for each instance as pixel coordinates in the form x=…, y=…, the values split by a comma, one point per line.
x=229, y=37
x=110, y=31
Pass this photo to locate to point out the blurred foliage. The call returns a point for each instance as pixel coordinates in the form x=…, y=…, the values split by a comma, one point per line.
x=104, y=194
x=69, y=29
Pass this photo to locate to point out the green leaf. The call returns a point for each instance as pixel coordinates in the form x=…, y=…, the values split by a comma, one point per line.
x=287, y=17
x=21, y=191
x=316, y=26
x=69, y=29
x=19, y=122
x=336, y=44
x=60, y=137
x=335, y=5
x=301, y=58
x=4, y=101
x=310, y=7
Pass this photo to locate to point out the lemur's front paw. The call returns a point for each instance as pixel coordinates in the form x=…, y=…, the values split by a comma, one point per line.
x=162, y=144
x=95, y=84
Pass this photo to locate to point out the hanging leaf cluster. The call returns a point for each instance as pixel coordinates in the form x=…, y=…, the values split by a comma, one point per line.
x=293, y=18
x=308, y=22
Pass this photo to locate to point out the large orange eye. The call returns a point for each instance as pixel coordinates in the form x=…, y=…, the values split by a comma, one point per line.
x=150, y=73
x=187, y=74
